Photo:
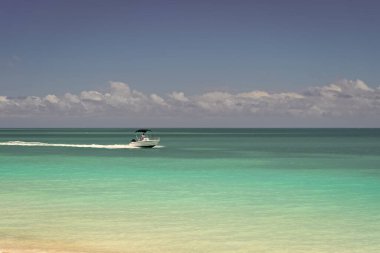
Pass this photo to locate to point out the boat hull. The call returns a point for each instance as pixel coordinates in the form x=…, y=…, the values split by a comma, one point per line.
x=145, y=143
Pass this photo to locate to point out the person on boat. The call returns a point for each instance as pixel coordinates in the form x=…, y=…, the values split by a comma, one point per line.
x=142, y=136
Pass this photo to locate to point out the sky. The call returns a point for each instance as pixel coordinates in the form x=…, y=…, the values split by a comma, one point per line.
x=209, y=63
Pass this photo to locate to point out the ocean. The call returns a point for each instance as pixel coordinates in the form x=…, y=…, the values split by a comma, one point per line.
x=201, y=190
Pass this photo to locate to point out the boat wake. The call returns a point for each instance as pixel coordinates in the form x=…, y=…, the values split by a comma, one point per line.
x=42, y=144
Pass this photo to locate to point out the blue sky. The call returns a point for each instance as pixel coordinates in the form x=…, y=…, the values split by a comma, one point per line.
x=194, y=47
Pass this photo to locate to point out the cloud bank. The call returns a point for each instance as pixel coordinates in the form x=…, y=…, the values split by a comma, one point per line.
x=337, y=100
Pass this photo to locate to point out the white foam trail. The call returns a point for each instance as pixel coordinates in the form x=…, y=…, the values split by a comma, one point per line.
x=41, y=144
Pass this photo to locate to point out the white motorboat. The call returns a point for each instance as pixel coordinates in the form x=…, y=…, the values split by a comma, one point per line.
x=144, y=140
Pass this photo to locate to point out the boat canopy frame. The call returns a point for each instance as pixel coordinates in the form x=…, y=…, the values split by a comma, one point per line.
x=143, y=130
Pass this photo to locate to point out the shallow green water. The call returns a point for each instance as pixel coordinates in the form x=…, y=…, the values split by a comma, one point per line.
x=202, y=190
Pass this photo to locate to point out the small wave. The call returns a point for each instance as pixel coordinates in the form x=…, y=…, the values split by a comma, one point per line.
x=42, y=144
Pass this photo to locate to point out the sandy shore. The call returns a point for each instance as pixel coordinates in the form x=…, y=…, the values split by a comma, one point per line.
x=7, y=249
x=27, y=246
x=24, y=250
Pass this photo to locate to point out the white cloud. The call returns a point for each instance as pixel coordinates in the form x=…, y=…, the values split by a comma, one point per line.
x=71, y=99
x=52, y=99
x=158, y=100
x=344, y=98
x=179, y=96
x=91, y=96
x=3, y=99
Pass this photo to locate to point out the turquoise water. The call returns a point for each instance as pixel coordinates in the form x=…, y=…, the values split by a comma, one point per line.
x=201, y=190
